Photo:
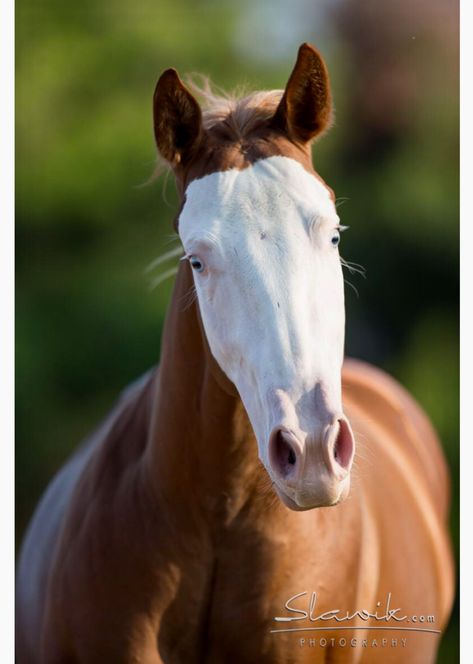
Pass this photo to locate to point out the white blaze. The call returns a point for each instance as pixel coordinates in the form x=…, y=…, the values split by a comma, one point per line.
x=271, y=291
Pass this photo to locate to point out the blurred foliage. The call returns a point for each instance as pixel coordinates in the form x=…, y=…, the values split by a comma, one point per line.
x=87, y=323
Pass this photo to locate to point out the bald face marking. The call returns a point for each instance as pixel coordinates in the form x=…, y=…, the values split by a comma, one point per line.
x=262, y=243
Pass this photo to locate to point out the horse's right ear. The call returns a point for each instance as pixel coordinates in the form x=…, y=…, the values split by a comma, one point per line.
x=177, y=119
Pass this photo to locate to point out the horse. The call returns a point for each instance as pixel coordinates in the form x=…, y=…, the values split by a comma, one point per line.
x=220, y=513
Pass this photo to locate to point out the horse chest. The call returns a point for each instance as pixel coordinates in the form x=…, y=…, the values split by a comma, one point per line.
x=245, y=587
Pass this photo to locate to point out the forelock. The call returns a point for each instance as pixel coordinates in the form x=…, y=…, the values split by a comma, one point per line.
x=241, y=113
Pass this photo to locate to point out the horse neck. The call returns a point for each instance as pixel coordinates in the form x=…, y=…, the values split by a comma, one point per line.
x=202, y=454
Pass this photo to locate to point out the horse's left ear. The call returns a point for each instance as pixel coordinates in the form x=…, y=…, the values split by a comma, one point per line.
x=305, y=109
x=177, y=119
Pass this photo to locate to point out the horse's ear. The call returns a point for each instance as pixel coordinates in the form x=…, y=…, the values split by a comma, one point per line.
x=177, y=119
x=305, y=109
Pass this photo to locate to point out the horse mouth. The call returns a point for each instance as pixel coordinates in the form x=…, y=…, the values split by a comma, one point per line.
x=293, y=505
x=289, y=502
x=296, y=507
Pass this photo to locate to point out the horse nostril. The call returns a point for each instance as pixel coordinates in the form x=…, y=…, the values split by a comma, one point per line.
x=282, y=454
x=344, y=445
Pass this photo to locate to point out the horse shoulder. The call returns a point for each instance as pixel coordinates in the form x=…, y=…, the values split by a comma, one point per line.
x=39, y=552
x=403, y=474
x=384, y=402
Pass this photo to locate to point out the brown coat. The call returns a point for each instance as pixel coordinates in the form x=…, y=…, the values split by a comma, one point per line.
x=162, y=540
x=174, y=549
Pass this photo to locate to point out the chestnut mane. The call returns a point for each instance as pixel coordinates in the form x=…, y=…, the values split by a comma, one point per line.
x=241, y=112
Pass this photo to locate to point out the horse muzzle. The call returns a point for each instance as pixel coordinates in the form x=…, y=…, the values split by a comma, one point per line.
x=312, y=471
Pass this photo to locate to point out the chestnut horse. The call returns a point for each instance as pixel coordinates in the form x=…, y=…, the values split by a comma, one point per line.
x=210, y=518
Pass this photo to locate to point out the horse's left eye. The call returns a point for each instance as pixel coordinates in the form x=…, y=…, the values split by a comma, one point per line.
x=335, y=239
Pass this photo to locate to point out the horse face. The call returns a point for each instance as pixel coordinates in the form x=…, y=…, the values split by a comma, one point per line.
x=260, y=231
x=263, y=246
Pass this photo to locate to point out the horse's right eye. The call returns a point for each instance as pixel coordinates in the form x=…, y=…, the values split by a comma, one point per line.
x=196, y=264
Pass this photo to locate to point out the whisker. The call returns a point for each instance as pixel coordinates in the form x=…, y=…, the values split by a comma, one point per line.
x=352, y=286
x=189, y=298
x=361, y=267
x=171, y=237
x=162, y=277
x=353, y=267
x=172, y=253
x=341, y=201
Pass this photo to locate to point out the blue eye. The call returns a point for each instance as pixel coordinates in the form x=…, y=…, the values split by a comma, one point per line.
x=335, y=239
x=196, y=264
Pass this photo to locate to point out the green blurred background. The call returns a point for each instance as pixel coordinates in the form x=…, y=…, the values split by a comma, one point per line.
x=87, y=322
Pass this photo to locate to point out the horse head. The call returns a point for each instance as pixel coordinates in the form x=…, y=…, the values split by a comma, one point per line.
x=260, y=232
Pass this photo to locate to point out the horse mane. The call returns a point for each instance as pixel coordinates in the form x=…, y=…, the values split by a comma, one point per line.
x=239, y=111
